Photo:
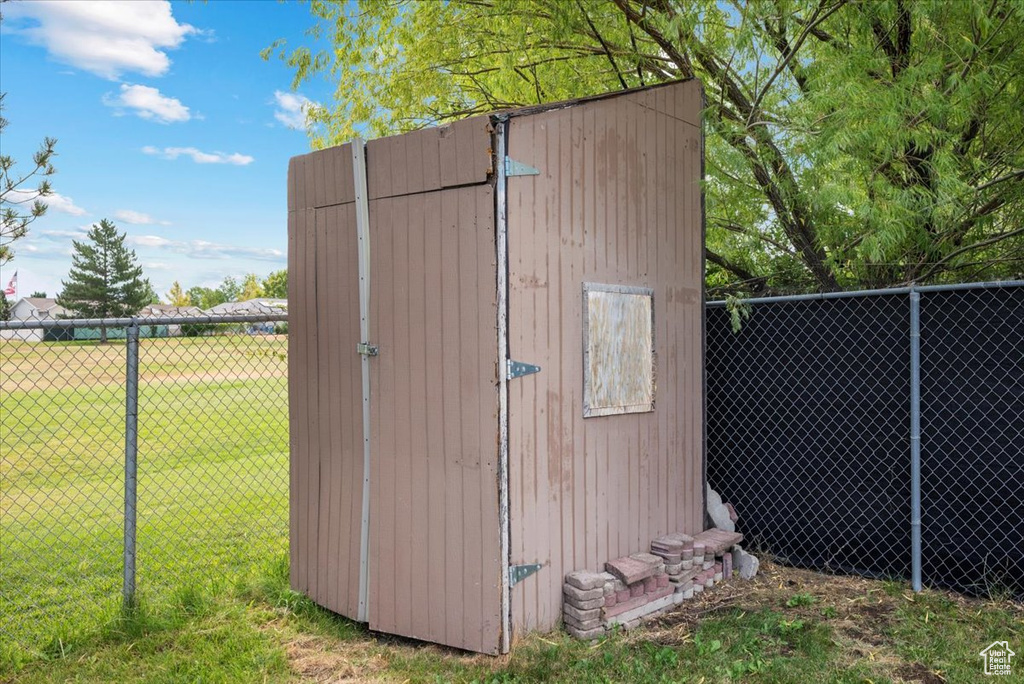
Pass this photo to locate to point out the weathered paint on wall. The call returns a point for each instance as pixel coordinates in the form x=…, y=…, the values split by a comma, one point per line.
x=617, y=201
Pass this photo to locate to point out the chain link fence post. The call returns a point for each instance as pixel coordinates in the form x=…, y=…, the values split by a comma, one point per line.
x=915, y=438
x=131, y=446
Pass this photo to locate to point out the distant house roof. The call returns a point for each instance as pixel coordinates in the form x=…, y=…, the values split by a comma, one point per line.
x=259, y=305
x=168, y=310
x=37, y=308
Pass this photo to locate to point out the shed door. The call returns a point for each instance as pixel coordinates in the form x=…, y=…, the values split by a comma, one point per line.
x=434, y=562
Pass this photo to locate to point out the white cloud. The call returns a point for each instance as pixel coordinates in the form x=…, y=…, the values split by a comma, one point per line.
x=291, y=109
x=54, y=201
x=104, y=37
x=148, y=103
x=137, y=218
x=198, y=156
x=202, y=249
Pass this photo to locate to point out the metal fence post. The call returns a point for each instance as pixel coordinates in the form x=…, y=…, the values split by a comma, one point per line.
x=131, y=436
x=915, y=438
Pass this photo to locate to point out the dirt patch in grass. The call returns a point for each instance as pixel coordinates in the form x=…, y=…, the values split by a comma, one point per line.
x=916, y=672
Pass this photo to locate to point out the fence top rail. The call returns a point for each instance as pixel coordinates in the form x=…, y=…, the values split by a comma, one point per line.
x=875, y=293
x=65, y=323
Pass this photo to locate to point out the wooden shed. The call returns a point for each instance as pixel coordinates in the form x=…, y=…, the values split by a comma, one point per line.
x=495, y=360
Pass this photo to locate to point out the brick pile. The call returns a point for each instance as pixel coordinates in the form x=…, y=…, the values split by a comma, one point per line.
x=635, y=587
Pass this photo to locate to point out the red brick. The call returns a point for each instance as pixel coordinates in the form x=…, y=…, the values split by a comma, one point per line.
x=650, y=584
x=631, y=570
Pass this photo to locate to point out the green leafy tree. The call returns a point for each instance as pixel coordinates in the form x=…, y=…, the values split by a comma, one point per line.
x=5, y=309
x=22, y=195
x=177, y=296
x=230, y=289
x=205, y=297
x=849, y=144
x=251, y=288
x=39, y=294
x=276, y=284
x=105, y=279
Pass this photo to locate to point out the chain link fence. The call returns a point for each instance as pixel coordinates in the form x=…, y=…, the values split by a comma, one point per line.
x=812, y=407
x=209, y=437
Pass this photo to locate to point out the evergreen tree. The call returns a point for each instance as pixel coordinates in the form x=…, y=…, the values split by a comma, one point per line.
x=38, y=293
x=177, y=296
x=5, y=309
x=105, y=280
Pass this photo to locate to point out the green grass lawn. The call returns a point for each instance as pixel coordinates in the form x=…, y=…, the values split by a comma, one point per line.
x=212, y=562
x=212, y=477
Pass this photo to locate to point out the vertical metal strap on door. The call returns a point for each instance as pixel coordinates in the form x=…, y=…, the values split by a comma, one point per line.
x=501, y=227
x=362, y=206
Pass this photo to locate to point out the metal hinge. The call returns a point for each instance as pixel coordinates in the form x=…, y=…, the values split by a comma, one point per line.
x=517, y=369
x=517, y=573
x=514, y=168
x=367, y=349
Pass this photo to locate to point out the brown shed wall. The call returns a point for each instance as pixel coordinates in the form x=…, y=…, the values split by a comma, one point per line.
x=617, y=201
x=325, y=411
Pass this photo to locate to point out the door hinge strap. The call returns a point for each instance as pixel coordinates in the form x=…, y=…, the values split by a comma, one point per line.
x=514, y=168
x=517, y=573
x=517, y=369
x=367, y=349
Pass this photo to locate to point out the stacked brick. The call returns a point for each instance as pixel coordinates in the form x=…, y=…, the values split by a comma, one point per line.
x=635, y=587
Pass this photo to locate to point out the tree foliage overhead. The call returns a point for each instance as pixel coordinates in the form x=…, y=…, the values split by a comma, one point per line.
x=105, y=280
x=849, y=144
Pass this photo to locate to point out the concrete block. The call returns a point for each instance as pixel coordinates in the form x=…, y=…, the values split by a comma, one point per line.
x=610, y=600
x=698, y=587
x=577, y=594
x=608, y=589
x=650, y=584
x=622, y=595
x=718, y=512
x=679, y=588
x=707, y=565
x=585, y=605
x=581, y=615
x=662, y=581
x=570, y=621
x=673, y=569
x=688, y=594
x=687, y=564
x=587, y=634
x=636, y=589
x=747, y=565
x=716, y=541
x=618, y=608
x=687, y=554
x=662, y=602
x=584, y=580
x=630, y=569
x=667, y=558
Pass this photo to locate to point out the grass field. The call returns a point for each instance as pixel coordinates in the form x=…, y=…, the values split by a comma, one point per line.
x=213, y=578
x=212, y=476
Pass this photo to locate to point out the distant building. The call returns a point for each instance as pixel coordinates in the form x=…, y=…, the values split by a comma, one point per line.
x=33, y=309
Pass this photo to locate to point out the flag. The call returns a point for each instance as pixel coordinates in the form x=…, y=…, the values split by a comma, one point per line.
x=12, y=287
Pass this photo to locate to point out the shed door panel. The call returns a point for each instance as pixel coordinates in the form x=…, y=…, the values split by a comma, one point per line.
x=434, y=562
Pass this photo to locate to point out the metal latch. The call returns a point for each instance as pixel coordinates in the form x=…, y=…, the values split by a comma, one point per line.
x=514, y=168
x=517, y=573
x=366, y=349
x=517, y=369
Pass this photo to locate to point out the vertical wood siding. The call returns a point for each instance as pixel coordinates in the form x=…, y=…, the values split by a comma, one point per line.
x=617, y=202
x=325, y=417
x=434, y=560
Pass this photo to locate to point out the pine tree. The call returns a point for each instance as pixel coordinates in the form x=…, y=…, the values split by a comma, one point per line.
x=5, y=308
x=177, y=296
x=105, y=280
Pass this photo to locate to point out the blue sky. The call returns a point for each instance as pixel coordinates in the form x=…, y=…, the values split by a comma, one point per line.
x=168, y=123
